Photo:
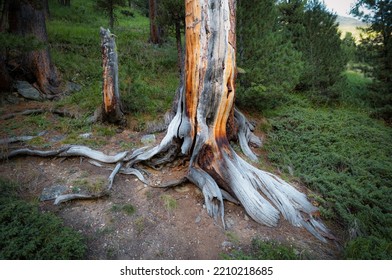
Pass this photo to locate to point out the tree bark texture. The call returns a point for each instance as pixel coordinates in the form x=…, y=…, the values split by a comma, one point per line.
x=27, y=18
x=111, y=107
x=155, y=32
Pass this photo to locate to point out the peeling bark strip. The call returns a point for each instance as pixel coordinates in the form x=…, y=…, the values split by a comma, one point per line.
x=112, y=107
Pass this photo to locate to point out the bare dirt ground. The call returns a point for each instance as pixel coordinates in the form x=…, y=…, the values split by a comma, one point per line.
x=162, y=223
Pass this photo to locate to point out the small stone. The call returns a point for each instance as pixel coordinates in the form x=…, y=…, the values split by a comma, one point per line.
x=57, y=138
x=227, y=244
x=230, y=222
x=85, y=135
x=246, y=218
x=71, y=87
x=198, y=219
x=53, y=192
x=28, y=91
x=182, y=189
x=148, y=139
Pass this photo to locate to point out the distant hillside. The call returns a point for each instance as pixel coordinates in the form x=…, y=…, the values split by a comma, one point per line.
x=348, y=24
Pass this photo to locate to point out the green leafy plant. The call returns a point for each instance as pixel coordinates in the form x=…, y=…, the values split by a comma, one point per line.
x=26, y=233
x=263, y=250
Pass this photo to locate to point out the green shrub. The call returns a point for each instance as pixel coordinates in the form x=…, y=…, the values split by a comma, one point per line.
x=28, y=234
x=368, y=248
x=343, y=155
x=264, y=250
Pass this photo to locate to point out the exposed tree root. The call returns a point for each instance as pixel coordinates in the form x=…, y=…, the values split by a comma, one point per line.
x=104, y=192
x=61, y=113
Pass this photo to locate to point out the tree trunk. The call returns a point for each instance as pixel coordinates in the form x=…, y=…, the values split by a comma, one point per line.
x=4, y=15
x=206, y=119
x=155, y=32
x=27, y=18
x=46, y=9
x=5, y=78
x=111, y=16
x=111, y=107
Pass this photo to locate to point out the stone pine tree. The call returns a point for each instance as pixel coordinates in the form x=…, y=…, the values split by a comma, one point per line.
x=322, y=53
x=378, y=39
x=171, y=16
x=271, y=63
x=26, y=19
x=108, y=7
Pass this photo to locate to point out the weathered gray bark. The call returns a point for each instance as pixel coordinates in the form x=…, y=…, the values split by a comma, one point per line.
x=112, y=106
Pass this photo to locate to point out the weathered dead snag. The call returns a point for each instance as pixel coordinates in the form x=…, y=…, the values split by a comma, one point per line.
x=203, y=123
x=112, y=110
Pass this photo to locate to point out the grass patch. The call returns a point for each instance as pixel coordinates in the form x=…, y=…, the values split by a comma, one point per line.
x=90, y=185
x=26, y=233
x=263, y=250
x=169, y=202
x=128, y=209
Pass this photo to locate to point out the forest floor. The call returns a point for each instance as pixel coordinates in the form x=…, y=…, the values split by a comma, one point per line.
x=137, y=221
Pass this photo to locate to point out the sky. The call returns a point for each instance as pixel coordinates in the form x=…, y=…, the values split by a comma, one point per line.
x=341, y=7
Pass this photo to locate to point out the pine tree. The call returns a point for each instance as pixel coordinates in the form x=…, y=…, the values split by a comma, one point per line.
x=321, y=48
x=376, y=45
x=271, y=63
x=107, y=7
x=171, y=17
x=314, y=32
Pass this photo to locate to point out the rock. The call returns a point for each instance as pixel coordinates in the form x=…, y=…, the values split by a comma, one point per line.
x=227, y=244
x=230, y=222
x=85, y=135
x=53, y=192
x=198, y=219
x=57, y=138
x=28, y=91
x=148, y=139
x=71, y=87
x=182, y=189
x=12, y=98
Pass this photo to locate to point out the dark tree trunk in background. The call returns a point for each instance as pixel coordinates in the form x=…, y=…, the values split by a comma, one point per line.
x=111, y=107
x=155, y=32
x=46, y=8
x=179, y=47
x=4, y=15
x=65, y=2
x=27, y=18
x=5, y=78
